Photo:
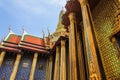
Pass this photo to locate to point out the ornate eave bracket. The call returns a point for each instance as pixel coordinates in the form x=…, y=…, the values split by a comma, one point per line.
x=115, y=31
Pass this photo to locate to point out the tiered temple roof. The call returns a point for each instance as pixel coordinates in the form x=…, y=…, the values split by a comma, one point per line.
x=17, y=43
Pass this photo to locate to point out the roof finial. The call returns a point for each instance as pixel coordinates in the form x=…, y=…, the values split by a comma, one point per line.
x=10, y=30
x=43, y=33
x=48, y=32
x=23, y=30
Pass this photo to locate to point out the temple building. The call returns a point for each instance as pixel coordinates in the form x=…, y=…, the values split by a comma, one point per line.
x=85, y=46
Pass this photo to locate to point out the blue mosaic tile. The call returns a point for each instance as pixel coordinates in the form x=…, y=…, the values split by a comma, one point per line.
x=6, y=69
x=40, y=69
x=24, y=71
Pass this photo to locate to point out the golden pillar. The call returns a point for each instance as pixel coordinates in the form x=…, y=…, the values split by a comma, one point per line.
x=47, y=70
x=63, y=61
x=32, y=72
x=89, y=41
x=50, y=68
x=80, y=57
x=72, y=47
x=15, y=67
x=57, y=64
x=2, y=55
x=46, y=76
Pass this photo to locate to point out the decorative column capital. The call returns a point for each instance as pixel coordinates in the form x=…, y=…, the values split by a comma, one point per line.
x=57, y=47
x=113, y=39
x=51, y=58
x=35, y=55
x=18, y=56
x=62, y=43
x=72, y=17
x=83, y=2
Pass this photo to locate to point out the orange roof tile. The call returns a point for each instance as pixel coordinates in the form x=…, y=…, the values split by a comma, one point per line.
x=29, y=42
x=33, y=43
x=14, y=38
x=34, y=40
x=11, y=44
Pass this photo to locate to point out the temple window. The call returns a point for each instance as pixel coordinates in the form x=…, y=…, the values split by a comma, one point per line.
x=9, y=62
x=25, y=64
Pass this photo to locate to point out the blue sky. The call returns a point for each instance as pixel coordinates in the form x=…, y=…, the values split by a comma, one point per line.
x=34, y=15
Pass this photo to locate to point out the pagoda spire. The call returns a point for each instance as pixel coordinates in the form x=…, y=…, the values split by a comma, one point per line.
x=60, y=26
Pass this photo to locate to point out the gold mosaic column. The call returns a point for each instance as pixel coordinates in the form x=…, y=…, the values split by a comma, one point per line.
x=15, y=68
x=32, y=72
x=89, y=41
x=57, y=64
x=2, y=57
x=63, y=61
x=72, y=47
